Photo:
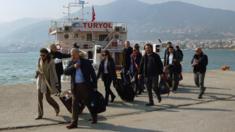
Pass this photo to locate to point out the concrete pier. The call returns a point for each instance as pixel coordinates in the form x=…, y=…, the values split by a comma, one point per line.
x=178, y=112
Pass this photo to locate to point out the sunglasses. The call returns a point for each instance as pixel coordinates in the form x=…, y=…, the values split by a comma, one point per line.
x=42, y=55
x=103, y=54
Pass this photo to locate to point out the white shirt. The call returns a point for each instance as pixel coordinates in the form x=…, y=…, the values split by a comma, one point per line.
x=171, y=59
x=105, y=66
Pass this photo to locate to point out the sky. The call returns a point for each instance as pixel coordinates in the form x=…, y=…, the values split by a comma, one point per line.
x=11, y=10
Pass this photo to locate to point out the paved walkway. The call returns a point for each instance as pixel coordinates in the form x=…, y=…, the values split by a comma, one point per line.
x=180, y=112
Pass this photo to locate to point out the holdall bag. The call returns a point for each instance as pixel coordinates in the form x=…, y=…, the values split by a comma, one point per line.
x=97, y=103
x=66, y=99
x=125, y=90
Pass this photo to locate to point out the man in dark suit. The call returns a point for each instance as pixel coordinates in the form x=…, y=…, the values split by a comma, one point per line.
x=127, y=51
x=83, y=83
x=58, y=56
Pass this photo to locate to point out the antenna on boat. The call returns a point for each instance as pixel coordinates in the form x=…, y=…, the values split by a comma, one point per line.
x=76, y=3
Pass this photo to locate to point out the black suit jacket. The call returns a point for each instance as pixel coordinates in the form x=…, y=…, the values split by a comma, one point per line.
x=59, y=66
x=87, y=71
x=110, y=67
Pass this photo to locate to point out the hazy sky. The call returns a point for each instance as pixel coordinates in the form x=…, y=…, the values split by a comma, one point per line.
x=16, y=9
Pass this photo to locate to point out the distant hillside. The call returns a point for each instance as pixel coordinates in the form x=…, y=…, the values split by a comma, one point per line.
x=170, y=20
x=29, y=32
x=14, y=26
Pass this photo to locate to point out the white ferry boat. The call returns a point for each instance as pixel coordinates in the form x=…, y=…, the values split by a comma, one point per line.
x=90, y=35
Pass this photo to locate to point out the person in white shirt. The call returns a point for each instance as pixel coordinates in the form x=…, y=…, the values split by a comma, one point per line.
x=108, y=74
x=173, y=66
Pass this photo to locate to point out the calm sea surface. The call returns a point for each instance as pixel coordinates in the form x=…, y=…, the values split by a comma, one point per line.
x=20, y=67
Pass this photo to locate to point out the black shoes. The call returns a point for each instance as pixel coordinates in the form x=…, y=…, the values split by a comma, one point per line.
x=38, y=118
x=71, y=126
x=112, y=99
x=201, y=93
x=150, y=104
x=57, y=112
x=200, y=96
x=94, y=119
x=159, y=98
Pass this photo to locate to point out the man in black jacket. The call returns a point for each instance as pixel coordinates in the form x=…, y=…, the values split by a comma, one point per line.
x=58, y=56
x=179, y=53
x=150, y=68
x=127, y=51
x=83, y=83
x=199, y=63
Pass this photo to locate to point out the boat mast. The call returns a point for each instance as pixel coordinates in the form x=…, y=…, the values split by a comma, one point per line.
x=76, y=3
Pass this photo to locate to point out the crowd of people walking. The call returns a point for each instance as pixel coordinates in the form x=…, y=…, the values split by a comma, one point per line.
x=140, y=72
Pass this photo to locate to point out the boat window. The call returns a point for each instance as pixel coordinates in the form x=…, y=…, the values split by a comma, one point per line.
x=102, y=37
x=90, y=54
x=66, y=28
x=117, y=29
x=116, y=36
x=89, y=37
x=86, y=46
x=98, y=50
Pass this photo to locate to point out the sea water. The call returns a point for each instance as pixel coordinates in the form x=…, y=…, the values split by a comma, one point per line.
x=18, y=68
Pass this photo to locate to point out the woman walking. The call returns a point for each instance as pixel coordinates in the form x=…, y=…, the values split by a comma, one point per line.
x=108, y=73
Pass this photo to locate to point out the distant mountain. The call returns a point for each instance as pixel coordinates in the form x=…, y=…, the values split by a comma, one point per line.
x=23, y=35
x=170, y=20
x=14, y=26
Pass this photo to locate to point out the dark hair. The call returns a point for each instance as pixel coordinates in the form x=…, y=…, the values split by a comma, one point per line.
x=46, y=52
x=171, y=47
x=137, y=47
x=106, y=52
x=75, y=45
x=169, y=43
x=148, y=44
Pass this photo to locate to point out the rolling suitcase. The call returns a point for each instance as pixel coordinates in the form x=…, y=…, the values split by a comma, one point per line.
x=66, y=99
